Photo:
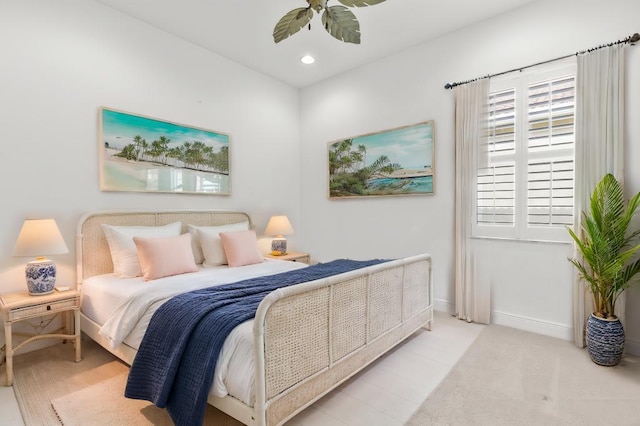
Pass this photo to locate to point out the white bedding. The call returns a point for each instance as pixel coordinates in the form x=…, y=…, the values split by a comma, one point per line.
x=124, y=307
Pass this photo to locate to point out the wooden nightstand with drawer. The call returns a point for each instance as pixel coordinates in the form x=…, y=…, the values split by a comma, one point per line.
x=21, y=306
x=292, y=257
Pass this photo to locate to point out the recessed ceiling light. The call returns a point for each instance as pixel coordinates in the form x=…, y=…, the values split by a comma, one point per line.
x=307, y=59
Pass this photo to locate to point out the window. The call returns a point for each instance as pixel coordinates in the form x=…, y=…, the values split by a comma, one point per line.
x=525, y=181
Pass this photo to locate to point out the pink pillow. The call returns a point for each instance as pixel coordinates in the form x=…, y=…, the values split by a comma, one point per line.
x=165, y=256
x=241, y=248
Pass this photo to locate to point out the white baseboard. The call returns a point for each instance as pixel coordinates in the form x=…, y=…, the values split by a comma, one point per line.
x=444, y=306
x=534, y=325
x=632, y=347
x=516, y=321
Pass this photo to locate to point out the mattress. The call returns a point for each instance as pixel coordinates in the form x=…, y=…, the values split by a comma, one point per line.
x=124, y=306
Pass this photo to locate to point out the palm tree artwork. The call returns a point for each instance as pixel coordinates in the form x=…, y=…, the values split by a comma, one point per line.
x=145, y=154
x=393, y=162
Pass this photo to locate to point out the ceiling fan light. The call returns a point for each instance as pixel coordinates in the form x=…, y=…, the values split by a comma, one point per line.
x=307, y=59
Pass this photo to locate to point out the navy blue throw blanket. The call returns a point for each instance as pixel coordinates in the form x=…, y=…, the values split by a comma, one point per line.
x=176, y=360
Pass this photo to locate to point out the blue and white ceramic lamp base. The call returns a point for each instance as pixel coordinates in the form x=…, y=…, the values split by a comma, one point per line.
x=41, y=277
x=279, y=246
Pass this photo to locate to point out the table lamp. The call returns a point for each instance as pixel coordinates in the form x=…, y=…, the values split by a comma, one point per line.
x=38, y=238
x=279, y=226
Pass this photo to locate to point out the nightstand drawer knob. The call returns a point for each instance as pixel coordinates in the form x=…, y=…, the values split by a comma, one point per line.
x=48, y=307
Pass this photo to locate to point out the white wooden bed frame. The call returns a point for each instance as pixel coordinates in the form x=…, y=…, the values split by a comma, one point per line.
x=308, y=338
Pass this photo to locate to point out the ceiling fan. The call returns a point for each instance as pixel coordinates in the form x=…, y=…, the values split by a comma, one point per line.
x=338, y=20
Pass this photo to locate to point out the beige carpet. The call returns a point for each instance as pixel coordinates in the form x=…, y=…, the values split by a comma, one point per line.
x=507, y=377
x=512, y=377
x=52, y=389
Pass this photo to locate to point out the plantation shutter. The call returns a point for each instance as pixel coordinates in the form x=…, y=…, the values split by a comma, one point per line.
x=496, y=181
x=550, y=174
x=525, y=182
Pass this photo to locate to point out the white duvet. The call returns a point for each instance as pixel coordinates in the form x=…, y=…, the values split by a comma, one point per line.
x=124, y=307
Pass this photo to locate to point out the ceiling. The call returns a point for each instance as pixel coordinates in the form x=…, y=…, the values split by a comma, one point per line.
x=241, y=30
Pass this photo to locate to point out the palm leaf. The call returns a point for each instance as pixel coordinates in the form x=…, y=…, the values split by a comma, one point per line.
x=628, y=274
x=342, y=24
x=632, y=206
x=291, y=23
x=606, y=244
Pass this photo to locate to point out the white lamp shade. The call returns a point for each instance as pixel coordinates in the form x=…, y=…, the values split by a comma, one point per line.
x=279, y=226
x=39, y=237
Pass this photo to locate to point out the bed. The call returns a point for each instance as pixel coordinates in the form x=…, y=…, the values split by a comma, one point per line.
x=359, y=315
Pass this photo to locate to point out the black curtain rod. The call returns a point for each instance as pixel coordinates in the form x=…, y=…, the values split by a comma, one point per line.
x=631, y=40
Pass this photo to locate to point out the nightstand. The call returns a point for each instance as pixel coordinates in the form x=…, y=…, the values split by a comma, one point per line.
x=21, y=306
x=292, y=257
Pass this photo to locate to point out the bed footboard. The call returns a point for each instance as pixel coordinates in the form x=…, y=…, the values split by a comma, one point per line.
x=312, y=337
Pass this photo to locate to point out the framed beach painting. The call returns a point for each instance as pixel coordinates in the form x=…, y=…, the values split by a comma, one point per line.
x=145, y=154
x=391, y=162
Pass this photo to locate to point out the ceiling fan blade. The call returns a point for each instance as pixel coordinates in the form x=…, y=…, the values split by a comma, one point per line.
x=360, y=3
x=342, y=24
x=291, y=23
x=317, y=5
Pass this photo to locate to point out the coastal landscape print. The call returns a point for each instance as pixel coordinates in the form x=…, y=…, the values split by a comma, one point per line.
x=144, y=154
x=392, y=162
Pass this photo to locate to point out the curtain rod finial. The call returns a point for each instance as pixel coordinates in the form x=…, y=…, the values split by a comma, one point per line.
x=634, y=38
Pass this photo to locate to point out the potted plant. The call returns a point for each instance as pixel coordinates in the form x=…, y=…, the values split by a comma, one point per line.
x=607, y=246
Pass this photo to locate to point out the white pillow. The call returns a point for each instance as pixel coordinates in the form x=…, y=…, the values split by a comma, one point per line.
x=123, y=250
x=216, y=252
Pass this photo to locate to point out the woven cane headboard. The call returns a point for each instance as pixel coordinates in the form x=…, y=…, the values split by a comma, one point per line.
x=92, y=251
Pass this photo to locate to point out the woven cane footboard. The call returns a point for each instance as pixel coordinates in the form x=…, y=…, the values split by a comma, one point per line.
x=314, y=336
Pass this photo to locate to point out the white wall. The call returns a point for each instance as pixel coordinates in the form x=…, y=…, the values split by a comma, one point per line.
x=531, y=284
x=62, y=60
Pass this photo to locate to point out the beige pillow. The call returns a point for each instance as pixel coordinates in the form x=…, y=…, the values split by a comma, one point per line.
x=165, y=256
x=123, y=250
x=241, y=248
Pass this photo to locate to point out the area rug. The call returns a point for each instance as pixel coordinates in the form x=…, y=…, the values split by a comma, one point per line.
x=103, y=404
x=45, y=374
x=52, y=389
x=513, y=377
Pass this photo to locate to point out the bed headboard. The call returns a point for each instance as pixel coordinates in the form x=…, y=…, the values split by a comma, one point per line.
x=92, y=251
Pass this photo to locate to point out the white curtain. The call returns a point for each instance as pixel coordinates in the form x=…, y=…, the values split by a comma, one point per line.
x=599, y=148
x=472, y=297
